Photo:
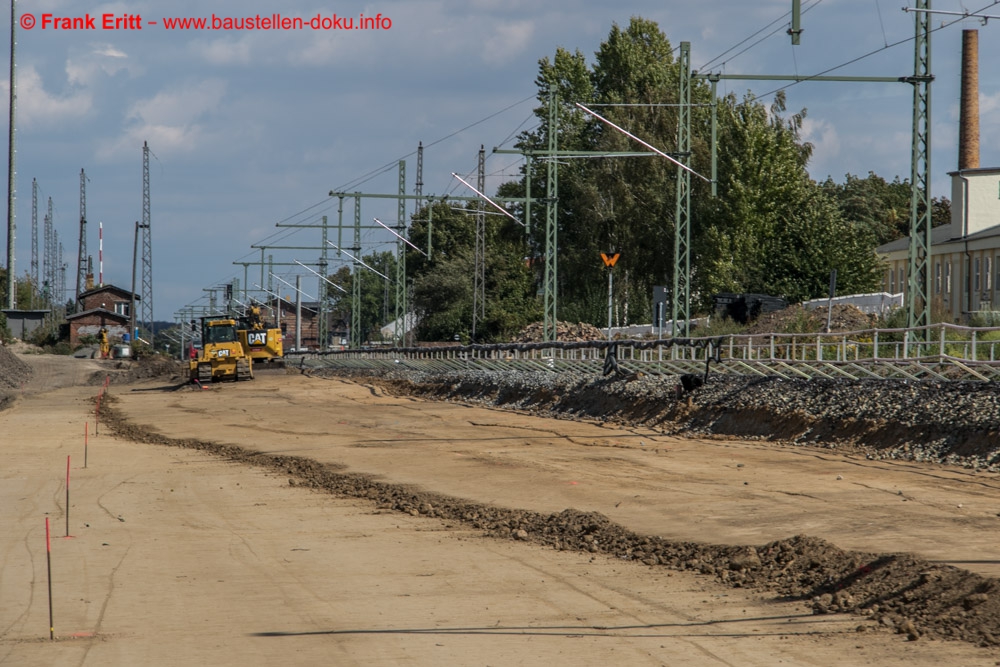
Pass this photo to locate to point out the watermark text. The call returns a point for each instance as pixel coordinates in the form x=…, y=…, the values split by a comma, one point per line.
x=107, y=21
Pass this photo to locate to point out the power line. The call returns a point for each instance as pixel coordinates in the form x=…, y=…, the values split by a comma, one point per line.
x=364, y=178
x=872, y=53
x=780, y=19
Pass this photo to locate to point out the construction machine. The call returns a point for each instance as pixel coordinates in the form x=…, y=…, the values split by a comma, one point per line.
x=222, y=355
x=261, y=342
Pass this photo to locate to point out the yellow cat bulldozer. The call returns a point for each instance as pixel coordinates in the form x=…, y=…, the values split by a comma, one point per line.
x=222, y=355
x=262, y=344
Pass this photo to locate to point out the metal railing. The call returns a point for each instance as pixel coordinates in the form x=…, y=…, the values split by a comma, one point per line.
x=943, y=352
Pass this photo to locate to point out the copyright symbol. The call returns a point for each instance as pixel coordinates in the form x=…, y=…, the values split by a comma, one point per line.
x=27, y=21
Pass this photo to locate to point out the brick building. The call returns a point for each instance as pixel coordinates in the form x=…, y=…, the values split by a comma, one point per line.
x=106, y=306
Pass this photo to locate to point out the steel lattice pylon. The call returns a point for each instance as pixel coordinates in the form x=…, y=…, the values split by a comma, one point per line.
x=918, y=302
x=680, y=299
x=550, y=280
x=400, y=329
x=146, y=297
x=81, y=257
x=323, y=328
x=49, y=252
x=479, y=271
x=356, y=278
x=36, y=288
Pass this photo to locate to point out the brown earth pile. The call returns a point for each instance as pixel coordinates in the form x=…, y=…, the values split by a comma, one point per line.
x=13, y=372
x=146, y=368
x=796, y=319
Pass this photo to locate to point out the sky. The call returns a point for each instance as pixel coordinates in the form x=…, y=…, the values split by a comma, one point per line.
x=251, y=128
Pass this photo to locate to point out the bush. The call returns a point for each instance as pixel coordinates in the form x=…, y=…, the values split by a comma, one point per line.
x=985, y=318
x=44, y=336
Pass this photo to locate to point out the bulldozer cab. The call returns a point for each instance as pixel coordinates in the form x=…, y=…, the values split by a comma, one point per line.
x=219, y=332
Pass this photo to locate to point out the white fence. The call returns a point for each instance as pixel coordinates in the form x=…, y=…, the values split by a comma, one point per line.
x=940, y=351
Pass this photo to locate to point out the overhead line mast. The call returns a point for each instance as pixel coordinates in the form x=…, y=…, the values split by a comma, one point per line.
x=146, y=300
x=35, y=289
x=81, y=259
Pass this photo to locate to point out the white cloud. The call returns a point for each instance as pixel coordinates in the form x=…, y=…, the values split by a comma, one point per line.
x=171, y=120
x=988, y=104
x=38, y=107
x=822, y=135
x=227, y=51
x=507, y=41
x=101, y=59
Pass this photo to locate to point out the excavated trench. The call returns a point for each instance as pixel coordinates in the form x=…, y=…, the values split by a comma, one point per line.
x=896, y=592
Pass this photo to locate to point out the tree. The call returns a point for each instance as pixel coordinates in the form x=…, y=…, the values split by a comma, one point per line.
x=772, y=229
x=880, y=206
x=378, y=296
x=762, y=233
x=442, y=290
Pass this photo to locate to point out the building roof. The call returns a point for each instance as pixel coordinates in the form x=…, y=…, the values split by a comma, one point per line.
x=979, y=171
x=110, y=314
x=108, y=288
x=939, y=235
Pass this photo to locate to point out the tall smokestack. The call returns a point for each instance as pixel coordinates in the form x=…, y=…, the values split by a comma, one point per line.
x=968, y=124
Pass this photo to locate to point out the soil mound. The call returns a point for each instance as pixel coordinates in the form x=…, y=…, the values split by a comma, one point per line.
x=565, y=331
x=13, y=372
x=796, y=319
x=145, y=368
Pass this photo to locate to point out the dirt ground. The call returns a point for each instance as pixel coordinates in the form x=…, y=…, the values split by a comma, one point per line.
x=179, y=556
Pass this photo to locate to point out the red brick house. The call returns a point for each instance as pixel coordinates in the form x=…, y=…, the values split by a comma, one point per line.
x=106, y=306
x=310, y=323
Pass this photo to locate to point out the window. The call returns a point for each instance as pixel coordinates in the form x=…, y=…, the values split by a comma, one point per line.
x=892, y=281
x=976, y=276
x=121, y=308
x=987, y=274
x=965, y=276
x=947, y=277
x=902, y=280
x=937, y=277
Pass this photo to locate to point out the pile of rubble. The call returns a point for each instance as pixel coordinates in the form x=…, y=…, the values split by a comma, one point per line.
x=796, y=319
x=565, y=331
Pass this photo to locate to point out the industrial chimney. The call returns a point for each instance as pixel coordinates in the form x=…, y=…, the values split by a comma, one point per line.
x=968, y=125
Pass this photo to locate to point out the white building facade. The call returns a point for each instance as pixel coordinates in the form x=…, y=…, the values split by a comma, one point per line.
x=965, y=255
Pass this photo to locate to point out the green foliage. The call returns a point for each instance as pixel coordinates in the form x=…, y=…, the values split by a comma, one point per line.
x=140, y=349
x=771, y=229
x=52, y=337
x=443, y=285
x=46, y=335
x=614, y=204
x=985, y=319
x=720, y=326
x=378, y=295
x=5, y=335
x=880, y=207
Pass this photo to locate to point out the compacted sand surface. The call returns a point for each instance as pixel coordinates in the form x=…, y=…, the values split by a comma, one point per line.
x=303, y=520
